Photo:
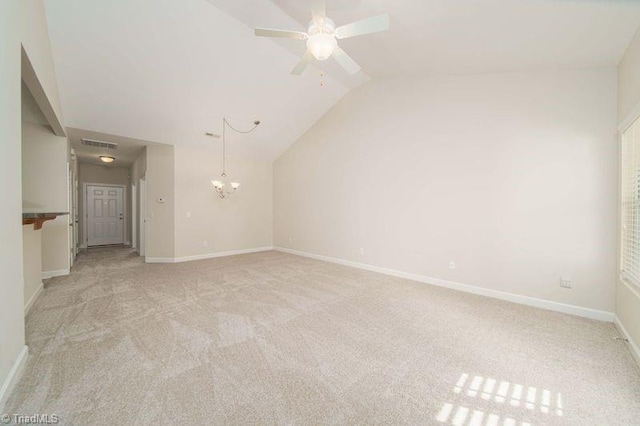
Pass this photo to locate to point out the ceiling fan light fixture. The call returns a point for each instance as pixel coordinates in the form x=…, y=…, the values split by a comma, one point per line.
x=322, y=37
x=107, y=158
x=322, y=45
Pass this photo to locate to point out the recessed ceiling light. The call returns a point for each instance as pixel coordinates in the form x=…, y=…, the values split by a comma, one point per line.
x=107, y=158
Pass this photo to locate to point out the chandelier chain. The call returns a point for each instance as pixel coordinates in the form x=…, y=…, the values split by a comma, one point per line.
x=226, y=123
x=218, y=184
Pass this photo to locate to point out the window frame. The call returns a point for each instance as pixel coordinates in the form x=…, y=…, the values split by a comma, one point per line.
x=632, y=119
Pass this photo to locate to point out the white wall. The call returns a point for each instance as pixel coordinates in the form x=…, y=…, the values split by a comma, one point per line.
x=23, y=22
x=34, y=34
x=45, y=189
x=244, y=221
x=31, y=238
x=512, y=176
x=138, y=171
x=160, y=216
x=628, y=299
x=31, y=263
x=11, y=286
x=628, y=79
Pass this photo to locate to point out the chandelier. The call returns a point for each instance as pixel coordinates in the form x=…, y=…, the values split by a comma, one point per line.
x=220, y=184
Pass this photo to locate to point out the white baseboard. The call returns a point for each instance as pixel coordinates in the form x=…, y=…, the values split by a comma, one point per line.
x=33, y=298
x=50, y=274
x=633, y=347
x=13, y=376
x=205, y=256
x=148, y=259
x=496, y=294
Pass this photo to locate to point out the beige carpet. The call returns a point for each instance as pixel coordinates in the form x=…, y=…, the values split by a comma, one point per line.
x=271, y=338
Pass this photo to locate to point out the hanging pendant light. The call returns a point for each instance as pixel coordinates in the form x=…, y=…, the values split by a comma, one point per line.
x=219, y=185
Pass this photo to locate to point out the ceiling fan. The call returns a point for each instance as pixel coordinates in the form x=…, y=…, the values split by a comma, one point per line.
x=322, y=37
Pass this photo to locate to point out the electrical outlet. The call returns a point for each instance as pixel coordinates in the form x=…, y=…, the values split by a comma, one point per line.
x=452, y=264
x=188, y=214
x=290, y=239
x=205, y=243
x=361, y=250
x=566, y=283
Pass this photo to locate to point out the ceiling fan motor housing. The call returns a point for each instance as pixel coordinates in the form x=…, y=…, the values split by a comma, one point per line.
x=326, y=26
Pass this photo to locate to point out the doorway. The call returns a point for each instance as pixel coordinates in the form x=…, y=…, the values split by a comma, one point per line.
x=134, y=216
x=143, y=216
x=104, y=207
x=73, y=214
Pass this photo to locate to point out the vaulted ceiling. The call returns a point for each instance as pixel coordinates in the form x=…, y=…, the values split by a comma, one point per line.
x=168, y=70
x=480, y=36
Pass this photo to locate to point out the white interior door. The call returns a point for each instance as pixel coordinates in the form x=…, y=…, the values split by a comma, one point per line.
x=134, y=217
x=105, y=215
x=75, y=215
x=143, y=217
x=71, y=204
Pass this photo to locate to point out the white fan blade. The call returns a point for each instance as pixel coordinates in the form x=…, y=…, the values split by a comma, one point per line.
x=345, y=60
x=267, y=32
x=304, y=61
x=366, y=26
x=318, y=10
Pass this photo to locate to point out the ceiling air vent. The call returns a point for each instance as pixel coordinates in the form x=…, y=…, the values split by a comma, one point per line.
x=99, y=144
